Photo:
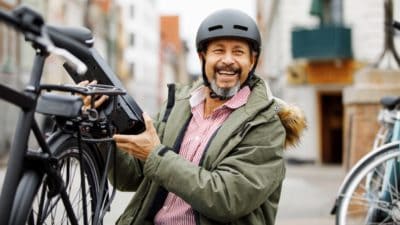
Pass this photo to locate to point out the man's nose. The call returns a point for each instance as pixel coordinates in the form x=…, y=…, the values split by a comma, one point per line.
x=227, y=58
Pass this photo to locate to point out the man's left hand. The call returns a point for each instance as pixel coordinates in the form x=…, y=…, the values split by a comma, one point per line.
x=139, y=145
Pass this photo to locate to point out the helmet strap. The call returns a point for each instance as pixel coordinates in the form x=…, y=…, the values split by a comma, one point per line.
x=251, y=73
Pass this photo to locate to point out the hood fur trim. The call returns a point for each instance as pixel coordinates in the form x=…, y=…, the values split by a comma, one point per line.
x=294, y=122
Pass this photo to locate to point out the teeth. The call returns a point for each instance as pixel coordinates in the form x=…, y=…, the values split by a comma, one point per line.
x=227, y=72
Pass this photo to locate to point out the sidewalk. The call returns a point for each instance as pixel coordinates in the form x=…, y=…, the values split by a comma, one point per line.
x=308, y=195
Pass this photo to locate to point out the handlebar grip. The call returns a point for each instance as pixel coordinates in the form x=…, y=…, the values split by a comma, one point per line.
x=73, y=46
x=9, y=19
x=396, y=25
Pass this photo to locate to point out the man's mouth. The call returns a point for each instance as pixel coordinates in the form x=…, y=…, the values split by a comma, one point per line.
x=228, y=73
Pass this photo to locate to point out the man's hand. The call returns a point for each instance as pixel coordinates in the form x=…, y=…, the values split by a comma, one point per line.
x=139, y=145
x=88, y=99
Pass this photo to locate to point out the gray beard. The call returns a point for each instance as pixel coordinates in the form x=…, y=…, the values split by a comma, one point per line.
x=225, y=93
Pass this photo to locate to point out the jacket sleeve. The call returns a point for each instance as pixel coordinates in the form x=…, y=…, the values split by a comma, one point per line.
x=240, y=183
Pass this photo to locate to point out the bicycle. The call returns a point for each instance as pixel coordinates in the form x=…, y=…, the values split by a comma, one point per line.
x=65, y=180
x=370, y=192
x=359, y=199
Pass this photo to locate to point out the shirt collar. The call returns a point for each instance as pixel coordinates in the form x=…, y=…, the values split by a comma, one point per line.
x=239, y=99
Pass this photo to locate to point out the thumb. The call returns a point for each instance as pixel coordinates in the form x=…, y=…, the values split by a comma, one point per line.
x=147, y=121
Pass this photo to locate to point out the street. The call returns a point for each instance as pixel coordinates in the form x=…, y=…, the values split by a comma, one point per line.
x=307, y=197
x=308, y=194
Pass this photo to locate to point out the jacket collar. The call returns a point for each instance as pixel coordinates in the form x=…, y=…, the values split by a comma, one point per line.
x=259, y=99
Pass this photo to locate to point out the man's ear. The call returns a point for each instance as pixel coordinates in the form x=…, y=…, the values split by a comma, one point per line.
x=253, y=58
x=202, y=56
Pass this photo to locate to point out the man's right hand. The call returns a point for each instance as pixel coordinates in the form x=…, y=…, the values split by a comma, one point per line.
x=88, y=99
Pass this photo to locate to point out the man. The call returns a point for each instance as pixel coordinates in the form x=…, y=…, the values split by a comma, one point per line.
x=214, y=156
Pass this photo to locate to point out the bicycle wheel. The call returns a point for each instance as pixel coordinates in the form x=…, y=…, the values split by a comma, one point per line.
x=42, y=204
x=372, y=194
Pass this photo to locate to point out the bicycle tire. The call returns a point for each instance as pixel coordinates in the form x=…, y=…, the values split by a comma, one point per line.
x=361, y=201
x=51, y=210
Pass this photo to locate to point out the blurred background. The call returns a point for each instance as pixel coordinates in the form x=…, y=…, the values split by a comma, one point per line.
x=332, y=58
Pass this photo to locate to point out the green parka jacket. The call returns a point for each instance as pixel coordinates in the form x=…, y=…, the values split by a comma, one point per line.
x=240, y=175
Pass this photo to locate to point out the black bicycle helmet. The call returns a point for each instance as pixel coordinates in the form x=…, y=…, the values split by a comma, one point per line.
x=228, y=23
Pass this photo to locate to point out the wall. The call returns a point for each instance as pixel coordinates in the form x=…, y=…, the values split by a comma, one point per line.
x=365, y=17
x=144, y=24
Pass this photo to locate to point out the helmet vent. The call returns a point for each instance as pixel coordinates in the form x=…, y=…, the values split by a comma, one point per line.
x=240, y=27
x=217, y=27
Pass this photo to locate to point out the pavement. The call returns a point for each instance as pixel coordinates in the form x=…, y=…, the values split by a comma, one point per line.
x=308, y=194
x=307, y=197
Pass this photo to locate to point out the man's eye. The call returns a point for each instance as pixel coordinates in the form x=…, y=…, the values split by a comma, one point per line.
x=238, y=52
x=217, y=51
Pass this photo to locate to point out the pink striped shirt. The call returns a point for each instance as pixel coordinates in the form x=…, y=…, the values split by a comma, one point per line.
x=176, y=211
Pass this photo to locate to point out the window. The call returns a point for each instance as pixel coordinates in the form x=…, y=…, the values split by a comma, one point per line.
x=131, y=11
x=132, y=70
x=132, y=39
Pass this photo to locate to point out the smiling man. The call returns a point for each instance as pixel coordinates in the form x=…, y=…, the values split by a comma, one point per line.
x=214, y=154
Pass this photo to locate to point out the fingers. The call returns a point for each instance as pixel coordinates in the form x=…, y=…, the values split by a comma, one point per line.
x=100, y=101
x=123, y=146
x=86, y=82
x=139, y=145
x=93, y=82
x=120, y=138
x=83, y=83
x=87, y=100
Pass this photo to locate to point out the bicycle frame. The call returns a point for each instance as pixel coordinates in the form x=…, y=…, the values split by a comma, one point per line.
x=18, y=152
x=18, y=148
x=393, y=167
x=27, y=101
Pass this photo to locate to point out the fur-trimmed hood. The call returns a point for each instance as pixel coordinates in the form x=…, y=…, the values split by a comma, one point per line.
x=294, y=122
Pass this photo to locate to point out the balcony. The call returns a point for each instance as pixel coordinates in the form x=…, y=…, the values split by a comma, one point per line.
x=322, y=43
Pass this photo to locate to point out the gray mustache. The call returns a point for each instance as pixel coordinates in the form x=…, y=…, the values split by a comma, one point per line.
x=234, y=69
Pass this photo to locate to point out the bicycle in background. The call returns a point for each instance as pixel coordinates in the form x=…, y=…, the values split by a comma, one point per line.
x=370, y=192
x=360, y=198
x=65, y=180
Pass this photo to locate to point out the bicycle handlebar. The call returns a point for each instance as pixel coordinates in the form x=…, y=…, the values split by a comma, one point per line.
x=9, y=19
x=32, y=25
x=396, y=25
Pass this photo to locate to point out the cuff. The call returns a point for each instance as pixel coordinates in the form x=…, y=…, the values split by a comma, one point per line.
x=154, y=160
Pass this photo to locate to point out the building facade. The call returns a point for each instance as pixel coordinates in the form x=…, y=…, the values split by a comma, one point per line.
x=311, y=74
x=140, y=31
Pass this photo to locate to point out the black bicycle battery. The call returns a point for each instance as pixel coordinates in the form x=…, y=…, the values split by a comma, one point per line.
x=128, y=116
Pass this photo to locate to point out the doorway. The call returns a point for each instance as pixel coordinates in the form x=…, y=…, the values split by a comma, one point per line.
x=331, y=127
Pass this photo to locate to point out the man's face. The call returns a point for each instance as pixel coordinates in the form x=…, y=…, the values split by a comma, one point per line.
x=228, y=62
